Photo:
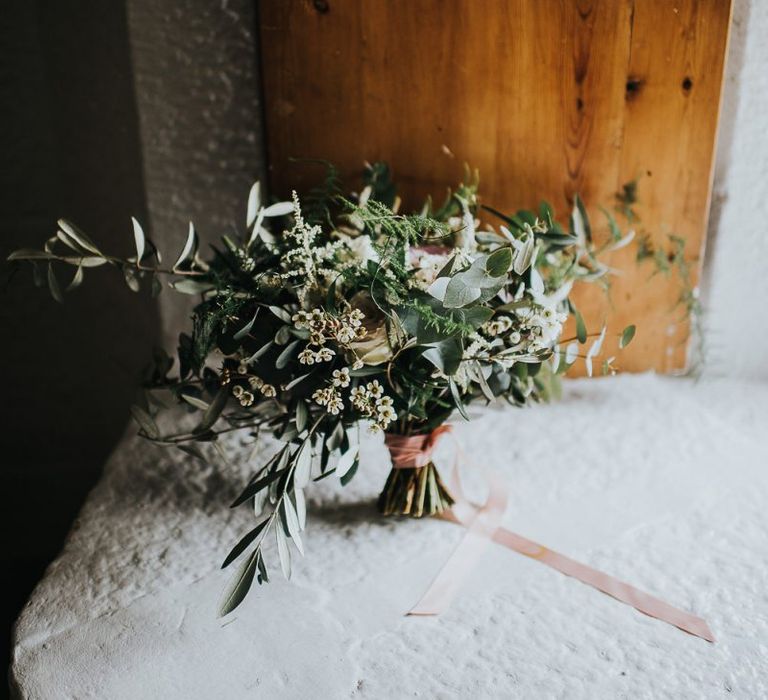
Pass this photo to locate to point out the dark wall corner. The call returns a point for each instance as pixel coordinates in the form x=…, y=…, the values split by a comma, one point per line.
x=70, y=147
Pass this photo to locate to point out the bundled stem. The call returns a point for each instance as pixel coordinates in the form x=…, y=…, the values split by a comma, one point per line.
x=414, y=491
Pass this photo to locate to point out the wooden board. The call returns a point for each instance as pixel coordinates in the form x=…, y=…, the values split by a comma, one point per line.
x=547, y=98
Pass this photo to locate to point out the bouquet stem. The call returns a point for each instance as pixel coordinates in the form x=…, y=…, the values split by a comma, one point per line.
x=414, y=491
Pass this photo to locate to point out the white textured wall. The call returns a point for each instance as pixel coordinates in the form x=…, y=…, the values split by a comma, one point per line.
x=195, y=70
x=736, y=280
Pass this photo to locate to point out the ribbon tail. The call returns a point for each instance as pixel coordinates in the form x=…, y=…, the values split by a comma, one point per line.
x=481, y=527
x=640, y=600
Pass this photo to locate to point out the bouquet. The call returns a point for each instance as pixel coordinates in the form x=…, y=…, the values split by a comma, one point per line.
x=330, y=312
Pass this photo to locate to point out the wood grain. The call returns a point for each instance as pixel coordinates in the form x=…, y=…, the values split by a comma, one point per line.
x=546, y=98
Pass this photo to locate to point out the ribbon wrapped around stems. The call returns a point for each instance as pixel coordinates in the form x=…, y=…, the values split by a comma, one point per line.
x=483, y=526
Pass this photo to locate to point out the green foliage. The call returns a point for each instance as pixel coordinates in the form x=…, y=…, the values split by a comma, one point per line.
x=333, y=310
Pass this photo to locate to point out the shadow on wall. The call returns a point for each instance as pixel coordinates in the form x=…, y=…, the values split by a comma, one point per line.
x=70, y=145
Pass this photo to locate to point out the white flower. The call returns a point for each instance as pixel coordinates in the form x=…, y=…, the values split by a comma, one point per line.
x=358, y=396
x=330, y=398
x=426, y=266
x=269, y=391
x=386, y=413
x=498, y=325
x=320, y=397
x=375, y=389
x=360, y=249
x=335, y=404
x=237, y=391
x=324, y=355
x=345, y=335
x=256, y=382
x=307, y=357
x=341, y=377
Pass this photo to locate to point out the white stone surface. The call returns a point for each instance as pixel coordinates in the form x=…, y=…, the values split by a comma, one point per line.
x=661, y=482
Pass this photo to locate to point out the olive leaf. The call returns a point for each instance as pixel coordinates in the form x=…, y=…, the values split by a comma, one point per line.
x=139, y=239
x=244, y=543
x=190, y=247
x=626, y=336
x=239, y=585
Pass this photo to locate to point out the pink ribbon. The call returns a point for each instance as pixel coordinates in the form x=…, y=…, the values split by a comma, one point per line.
x=483, y=526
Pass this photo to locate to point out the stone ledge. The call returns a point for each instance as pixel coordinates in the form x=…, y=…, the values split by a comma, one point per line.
x=658, y=481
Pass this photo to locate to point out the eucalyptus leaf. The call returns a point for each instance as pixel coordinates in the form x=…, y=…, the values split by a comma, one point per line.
x=458, y=293
x=139, y=239
x=580, y=222
x=285, y=356
x=254, y=204
x=457, y=399
x=196, y=402
x=261, y=351
x=301, y=507
x=188, y=251
x=346, y=461
x=626, y=336
x=246, y=329
x=445, y=355
x=283, y=552
x=303, y=468
x=53, y=285
x=524, y=254
x=581, y=328
x=70, y=243
x=483, y=384
x=282, y=314
x=499, y=262
x=77, y=280
x=292, y=522
x=262, y=575
x=129, y=273
x=244, y=543
x=279, y=209
x=334, y=438
x=146, y=422
x=213, y=411
x=239, y=585
x=253, y=488
x=612, y=225
x=302, y=415
x=351, y=472
x=191, y=286
x=82, y=240
x=31, y=254
x=296, y=381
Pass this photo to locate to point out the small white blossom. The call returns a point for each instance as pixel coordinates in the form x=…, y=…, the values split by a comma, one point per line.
x=307, y=357
x=341, y=377
x=269, y=391
x=256, y=382
x=374, y=388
